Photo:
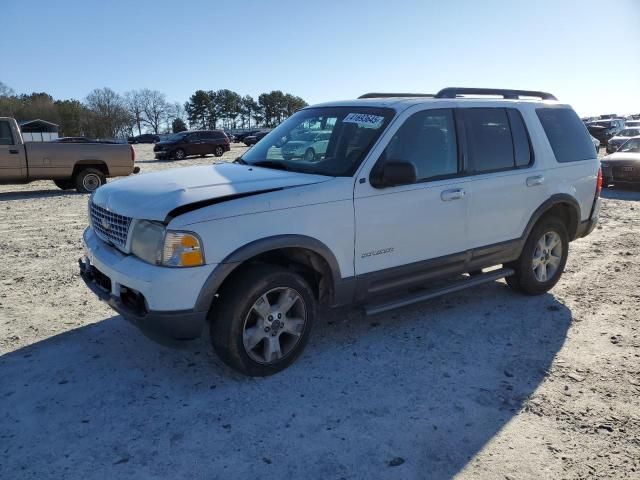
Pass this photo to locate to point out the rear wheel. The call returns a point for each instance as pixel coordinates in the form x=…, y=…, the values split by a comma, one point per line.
x=88, y=180
x=263, y=320
x=542, y=259
x=219, y=151
x=66, y=184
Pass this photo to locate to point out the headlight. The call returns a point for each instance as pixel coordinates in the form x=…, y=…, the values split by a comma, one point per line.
x=182, y=249
x=154, y=244
x=146, y=241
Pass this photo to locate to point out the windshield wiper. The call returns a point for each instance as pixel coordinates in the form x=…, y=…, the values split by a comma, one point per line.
x=240, y=161
x=275, y=164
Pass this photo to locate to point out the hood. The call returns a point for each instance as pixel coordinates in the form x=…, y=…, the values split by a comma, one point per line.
x=153, y=196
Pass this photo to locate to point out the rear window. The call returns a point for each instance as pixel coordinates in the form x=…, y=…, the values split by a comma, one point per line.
x=6, y=138
x=567, y=135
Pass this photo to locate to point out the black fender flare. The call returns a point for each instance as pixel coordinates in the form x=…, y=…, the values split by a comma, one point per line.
x=556, y=199
x=257, y=247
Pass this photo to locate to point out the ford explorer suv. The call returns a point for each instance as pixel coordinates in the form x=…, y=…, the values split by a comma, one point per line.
x=440, y=192
x=84, y=166
x=199, y=142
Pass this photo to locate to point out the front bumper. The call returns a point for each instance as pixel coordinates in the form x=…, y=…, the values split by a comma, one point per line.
x=160, y=300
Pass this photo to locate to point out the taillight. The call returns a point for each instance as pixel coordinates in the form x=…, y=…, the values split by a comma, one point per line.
x=599, y=182
x=133, y=154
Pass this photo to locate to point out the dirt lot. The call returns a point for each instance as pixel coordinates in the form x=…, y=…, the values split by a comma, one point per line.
x=483, y=384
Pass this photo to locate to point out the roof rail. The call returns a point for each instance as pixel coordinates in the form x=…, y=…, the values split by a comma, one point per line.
x=455, y=92
x=391, y=95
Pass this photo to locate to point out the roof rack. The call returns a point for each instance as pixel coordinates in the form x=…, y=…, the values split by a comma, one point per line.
x=455, y=92
x=391, y=95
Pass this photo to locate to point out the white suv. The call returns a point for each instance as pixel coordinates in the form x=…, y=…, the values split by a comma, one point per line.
x=411, y=189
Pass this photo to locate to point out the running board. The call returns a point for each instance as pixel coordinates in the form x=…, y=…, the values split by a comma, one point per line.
x=460, y=285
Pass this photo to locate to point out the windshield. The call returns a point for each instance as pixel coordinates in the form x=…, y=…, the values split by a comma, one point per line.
x=176, y=136
x=630, y=132
x=631, y=146
x=330, y=141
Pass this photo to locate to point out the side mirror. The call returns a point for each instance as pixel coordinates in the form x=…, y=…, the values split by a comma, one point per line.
x=394, y=173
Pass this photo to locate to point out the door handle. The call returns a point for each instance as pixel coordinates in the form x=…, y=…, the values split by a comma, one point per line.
x=455, y=194
x=534, y=181
x=15, y=152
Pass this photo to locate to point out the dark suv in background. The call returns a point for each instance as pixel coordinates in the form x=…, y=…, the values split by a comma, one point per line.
x=199, y=142
x=603, y=130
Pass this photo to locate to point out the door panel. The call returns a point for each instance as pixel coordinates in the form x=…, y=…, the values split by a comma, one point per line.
x=401, y=225
x=13, y=166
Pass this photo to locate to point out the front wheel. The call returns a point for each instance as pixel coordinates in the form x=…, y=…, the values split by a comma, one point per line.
x=88, y=180
x=179, y=154
x=262, y=320
x=543, y=258
x=309, y=155
x=219, y=151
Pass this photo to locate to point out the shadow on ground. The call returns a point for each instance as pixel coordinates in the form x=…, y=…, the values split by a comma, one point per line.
x=28, y=194
x=430, y=384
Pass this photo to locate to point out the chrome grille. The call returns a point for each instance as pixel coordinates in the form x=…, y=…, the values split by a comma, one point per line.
x=109, y=226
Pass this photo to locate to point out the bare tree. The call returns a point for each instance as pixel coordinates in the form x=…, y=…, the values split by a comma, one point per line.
x=134, y=100
x=6, y=90
x=109, y=114
x=155, y=108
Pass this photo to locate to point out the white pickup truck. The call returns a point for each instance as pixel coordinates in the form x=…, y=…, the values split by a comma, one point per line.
x=411, y=189
x=83, y=166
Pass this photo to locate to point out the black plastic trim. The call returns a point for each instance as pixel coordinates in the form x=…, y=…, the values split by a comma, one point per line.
x=251, y=250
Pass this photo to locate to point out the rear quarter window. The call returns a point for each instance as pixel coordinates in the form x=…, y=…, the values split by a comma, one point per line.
x=567, y=135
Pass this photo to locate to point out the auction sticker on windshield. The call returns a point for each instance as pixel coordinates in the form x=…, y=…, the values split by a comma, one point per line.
x=364, y=120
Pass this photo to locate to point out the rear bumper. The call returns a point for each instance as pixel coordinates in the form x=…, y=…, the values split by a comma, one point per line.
x=586, y=227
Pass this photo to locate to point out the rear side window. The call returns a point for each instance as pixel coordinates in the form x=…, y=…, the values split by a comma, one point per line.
x=489, y=139
x=6, y=138
x=567, y=135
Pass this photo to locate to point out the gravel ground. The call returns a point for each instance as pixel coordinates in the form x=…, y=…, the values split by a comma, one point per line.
x=484, y=384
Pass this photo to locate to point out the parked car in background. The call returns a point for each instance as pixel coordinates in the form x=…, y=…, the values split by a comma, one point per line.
x=144, y=138
x=603, y=130
x=81, y=140
x=632, y=123
x=239, y=137
x=255, y=138
x=84, y=166
x=255, y=248
x=621, y=137
x=195, y=142
x=308, y=146
x=623, y=166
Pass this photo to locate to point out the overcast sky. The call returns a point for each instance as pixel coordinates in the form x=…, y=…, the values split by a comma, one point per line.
x=586, y=52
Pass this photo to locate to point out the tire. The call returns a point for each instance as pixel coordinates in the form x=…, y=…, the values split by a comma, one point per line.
x=218, y=151
x=66, y=184
x=179, y=154
x=309, y=155
x=531, y=280
x=237, y=312
x=88, y=180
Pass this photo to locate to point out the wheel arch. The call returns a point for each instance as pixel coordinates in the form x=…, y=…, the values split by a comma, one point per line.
x=561, y=205
x=90, y=163
x=306, y=255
